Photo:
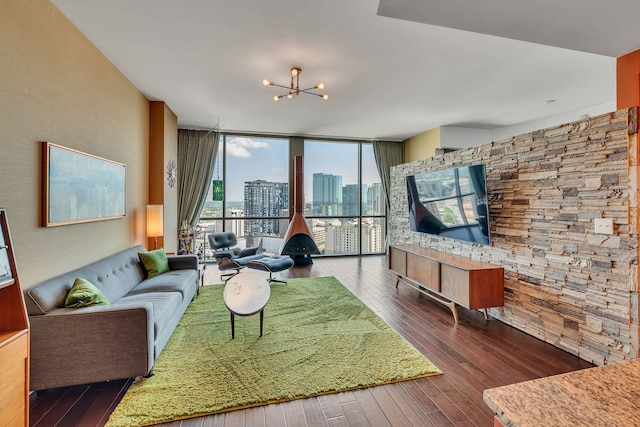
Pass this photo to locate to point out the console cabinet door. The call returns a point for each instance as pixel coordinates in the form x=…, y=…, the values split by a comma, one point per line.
x=398, y=261
x=425, y=271
x=455, y=284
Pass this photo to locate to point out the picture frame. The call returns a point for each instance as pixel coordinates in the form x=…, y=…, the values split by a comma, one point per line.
x=6, y=254
x=78, y=187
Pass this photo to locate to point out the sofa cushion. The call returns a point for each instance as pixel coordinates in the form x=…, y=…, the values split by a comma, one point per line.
x=173, y=281
x=83, y=293
x=165, y=305
x=155, y=262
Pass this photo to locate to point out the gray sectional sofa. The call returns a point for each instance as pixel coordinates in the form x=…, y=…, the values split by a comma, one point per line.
x=71, y=346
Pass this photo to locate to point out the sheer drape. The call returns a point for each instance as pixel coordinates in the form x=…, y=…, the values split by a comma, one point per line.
x=197, y=152
x=387, y=154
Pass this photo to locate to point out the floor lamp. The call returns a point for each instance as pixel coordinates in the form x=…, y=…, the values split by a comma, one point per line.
x=155, y=223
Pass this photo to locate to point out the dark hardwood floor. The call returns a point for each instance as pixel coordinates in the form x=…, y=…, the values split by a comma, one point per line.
x=474, y=355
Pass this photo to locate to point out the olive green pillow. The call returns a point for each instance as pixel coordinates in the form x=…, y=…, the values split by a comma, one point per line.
x=155, y=262
x=83, y=293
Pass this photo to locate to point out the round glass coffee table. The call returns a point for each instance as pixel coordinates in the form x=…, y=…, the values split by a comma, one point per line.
x=246, y=299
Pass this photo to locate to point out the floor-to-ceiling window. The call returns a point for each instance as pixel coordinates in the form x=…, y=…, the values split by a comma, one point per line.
x=249, y=194
x=343, y=197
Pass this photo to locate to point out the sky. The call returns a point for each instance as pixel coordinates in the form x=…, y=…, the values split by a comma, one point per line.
x=251, y=159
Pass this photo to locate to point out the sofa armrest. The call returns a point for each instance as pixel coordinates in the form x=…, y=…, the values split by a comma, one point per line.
x=183, y=262
x=91, y=344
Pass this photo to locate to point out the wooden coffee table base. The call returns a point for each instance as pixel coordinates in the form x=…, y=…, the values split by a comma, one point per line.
x=246, y=299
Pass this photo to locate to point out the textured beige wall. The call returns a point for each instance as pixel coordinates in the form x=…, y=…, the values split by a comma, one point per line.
x=422, y=146
x=56, y=86
x=564, y=283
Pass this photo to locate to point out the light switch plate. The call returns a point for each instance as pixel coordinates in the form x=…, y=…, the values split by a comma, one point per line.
x=603, y=225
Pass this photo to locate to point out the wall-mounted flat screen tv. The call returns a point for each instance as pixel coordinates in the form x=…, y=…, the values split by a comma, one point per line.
x=450, y=203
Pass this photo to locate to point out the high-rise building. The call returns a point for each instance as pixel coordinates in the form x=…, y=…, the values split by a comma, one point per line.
x=327, y=194
x=341, y=237
x=375, y=201
x=372, y=241
x=318, y=230
x=236, y=226
x=284, y=223
x=350, y=199
x=264, y=199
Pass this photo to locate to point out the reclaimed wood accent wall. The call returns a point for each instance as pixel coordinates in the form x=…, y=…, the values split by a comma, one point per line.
x=564, y=283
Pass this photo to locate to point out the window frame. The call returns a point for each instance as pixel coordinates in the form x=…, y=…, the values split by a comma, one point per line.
x=297, y=147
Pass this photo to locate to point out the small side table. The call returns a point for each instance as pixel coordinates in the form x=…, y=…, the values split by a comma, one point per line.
x=246, y=299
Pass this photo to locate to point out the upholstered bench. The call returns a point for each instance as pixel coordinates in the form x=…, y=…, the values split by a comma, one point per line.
x=272, y=264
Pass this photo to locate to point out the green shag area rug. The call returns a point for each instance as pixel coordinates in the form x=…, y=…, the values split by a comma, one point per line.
x=318, y=339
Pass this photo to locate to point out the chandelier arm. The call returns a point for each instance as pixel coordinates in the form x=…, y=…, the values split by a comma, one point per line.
x=282, y=86
x=287, y=94
x=311, y=93
x=309, y=88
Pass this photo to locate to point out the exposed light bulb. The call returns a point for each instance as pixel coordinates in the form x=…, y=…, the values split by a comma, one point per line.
x=276, y=98
x=266, y=82
x=295, y=71
x=320, y=86
x=325, y=96
x=289, y=95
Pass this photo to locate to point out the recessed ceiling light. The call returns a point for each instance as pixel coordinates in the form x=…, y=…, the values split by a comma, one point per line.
x=549, y=101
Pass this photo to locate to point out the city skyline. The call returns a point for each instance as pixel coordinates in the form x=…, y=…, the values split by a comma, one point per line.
x=265, y=200
x=257, y=186
x=251, y=159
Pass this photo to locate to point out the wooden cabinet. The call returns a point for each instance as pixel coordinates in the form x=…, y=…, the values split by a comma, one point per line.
x=425, y=271
x=448, y=279
x=14, y=337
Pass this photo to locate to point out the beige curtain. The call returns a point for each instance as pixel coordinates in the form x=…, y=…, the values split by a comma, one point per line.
x=197, y=150
x=387, y=154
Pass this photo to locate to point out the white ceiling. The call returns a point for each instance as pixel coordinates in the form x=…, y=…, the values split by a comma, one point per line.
x=392, y=70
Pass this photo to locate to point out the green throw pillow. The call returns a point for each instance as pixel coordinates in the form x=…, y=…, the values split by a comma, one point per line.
x=83, y=294
x=155, y=262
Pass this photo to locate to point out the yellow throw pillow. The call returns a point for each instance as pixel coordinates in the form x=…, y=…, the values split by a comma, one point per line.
x=83, y=293
x=155, y=262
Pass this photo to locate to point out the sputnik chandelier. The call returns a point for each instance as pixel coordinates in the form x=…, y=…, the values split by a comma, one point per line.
x=294, y=88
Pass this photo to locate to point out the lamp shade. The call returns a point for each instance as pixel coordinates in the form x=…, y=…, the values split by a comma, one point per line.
x=155, y=220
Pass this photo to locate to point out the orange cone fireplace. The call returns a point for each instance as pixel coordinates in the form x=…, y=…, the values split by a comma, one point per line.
x=298, y=241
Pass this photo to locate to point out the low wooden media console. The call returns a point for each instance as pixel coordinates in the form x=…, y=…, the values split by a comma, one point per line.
x=448, y=279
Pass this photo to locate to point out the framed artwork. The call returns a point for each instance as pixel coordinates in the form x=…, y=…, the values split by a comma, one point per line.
x=79, y=187
x=6, y=270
